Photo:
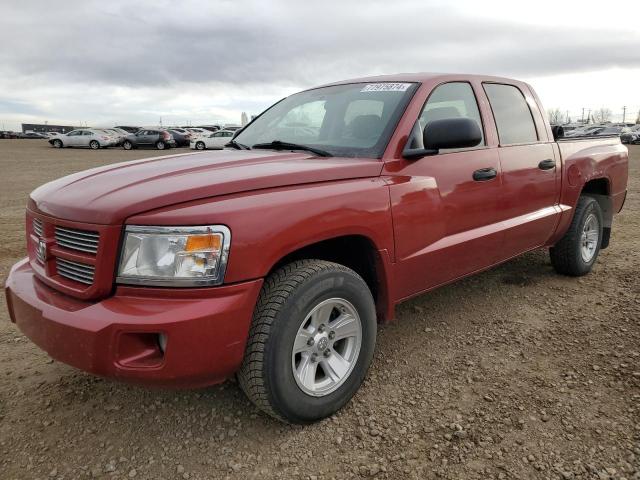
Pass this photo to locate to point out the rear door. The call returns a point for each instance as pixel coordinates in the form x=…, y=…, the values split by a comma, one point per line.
x=85, y=138
x=529, y=167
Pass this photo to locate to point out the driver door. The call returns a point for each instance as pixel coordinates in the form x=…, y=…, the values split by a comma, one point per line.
x=73, y=138
x=446, y=207
x=143, y=137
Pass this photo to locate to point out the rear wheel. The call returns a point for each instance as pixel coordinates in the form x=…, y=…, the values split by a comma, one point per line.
x=200, y=145
x=577, y=251
x=161, y=145
x=311, y=341
x=94, y=144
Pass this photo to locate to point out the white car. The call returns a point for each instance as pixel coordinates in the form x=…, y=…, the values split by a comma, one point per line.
x=198, y=132
x=215, y=140
x=117, y=134
x=83, y=137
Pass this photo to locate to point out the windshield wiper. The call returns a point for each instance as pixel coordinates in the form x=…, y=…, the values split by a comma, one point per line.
x=280, y=145
x=238, y=146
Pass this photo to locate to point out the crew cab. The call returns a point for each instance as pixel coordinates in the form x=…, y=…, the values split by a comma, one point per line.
x=275, y=258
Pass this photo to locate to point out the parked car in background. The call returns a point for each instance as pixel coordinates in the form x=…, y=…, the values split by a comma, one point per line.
x=8, y=134
x=232, y=128
x=181, y=136
x=31, y=136
x=149, y=138
x=608, y=131
x=118, y=135
x=216, y=140
x=632, y=136
x=582, y=131
x=128, y=129
x=113, y=135
x=198, y=132
x=83, y=137
x=211, y=128
x=48, y=134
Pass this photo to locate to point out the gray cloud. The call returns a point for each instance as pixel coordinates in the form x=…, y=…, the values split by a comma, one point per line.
x=158, y=43
x=284, y=44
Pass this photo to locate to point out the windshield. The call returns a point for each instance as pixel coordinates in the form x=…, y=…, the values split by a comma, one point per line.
x=354, y=120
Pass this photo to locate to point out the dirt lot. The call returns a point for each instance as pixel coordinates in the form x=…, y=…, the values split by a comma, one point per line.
x=514, y=373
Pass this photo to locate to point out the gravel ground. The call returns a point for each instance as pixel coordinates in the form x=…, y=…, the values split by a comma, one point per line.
x=513, y=373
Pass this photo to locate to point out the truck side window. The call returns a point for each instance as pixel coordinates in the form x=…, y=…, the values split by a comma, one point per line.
x=450, y=100
x=511, y=113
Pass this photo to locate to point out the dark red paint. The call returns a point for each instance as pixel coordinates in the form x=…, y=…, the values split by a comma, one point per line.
x=427, y=220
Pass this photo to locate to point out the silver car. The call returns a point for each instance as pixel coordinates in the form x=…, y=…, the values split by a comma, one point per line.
x=83, y=137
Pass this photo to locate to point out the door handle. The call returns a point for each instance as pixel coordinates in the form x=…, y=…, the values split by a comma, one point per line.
x=547, y=164
x=484, y=174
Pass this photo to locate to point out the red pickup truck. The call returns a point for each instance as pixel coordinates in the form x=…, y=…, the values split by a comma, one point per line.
x=275, y=258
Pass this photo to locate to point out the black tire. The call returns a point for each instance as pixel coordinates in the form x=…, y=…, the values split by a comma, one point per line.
x=566, y=255
x=200, y=146
x=94, y=145
x=287, y=297
x=127, y=145
x=57, y=143
x=160, y=145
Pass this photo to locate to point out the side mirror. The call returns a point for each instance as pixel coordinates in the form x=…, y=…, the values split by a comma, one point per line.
x=446, y=133
x=558, y=132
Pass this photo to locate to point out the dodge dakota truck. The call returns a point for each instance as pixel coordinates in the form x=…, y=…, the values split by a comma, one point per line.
x=276, y=258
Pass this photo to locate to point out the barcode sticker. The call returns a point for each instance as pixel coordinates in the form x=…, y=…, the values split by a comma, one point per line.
x=386, y=87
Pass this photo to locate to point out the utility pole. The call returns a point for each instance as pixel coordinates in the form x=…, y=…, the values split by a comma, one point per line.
x=624, y=114
x=582, y=118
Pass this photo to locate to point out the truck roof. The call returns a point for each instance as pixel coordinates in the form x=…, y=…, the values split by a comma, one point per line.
x=424, y=77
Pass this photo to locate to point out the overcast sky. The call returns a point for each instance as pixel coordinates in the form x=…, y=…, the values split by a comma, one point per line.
x=116, y=62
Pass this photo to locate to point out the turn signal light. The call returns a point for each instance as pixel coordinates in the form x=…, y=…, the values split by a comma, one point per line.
x=207, y=242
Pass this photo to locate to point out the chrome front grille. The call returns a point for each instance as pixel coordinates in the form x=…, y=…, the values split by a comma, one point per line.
x=79, y=272
x=37, y=227
x=82, y=240
x=38, y=231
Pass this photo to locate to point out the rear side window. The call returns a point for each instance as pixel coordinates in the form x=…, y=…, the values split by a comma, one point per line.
x=511, y=113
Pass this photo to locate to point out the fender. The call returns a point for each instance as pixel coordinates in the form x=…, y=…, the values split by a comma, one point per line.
x=266, y=225
x=586, y=161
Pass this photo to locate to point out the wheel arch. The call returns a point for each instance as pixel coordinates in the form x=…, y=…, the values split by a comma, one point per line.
x=357, y=252
x=600, y=190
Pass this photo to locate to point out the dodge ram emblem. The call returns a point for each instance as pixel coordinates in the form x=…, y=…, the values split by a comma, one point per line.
x=42, y=250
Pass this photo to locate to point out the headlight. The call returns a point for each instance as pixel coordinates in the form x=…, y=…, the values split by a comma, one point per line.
x=174, y=256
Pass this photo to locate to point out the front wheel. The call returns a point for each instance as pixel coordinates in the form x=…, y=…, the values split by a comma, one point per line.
x=578, y=249
x=161, y=145
x=127, y=145
x=57, y=143
x=311, y=341
x=200, y=146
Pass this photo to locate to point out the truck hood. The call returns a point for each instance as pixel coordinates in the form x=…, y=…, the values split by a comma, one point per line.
x=110, y=194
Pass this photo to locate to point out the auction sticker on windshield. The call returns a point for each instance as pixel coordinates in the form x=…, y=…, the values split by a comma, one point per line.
x=386, y=87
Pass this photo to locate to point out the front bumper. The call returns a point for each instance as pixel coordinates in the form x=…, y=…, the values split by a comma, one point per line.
x=205, y=329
